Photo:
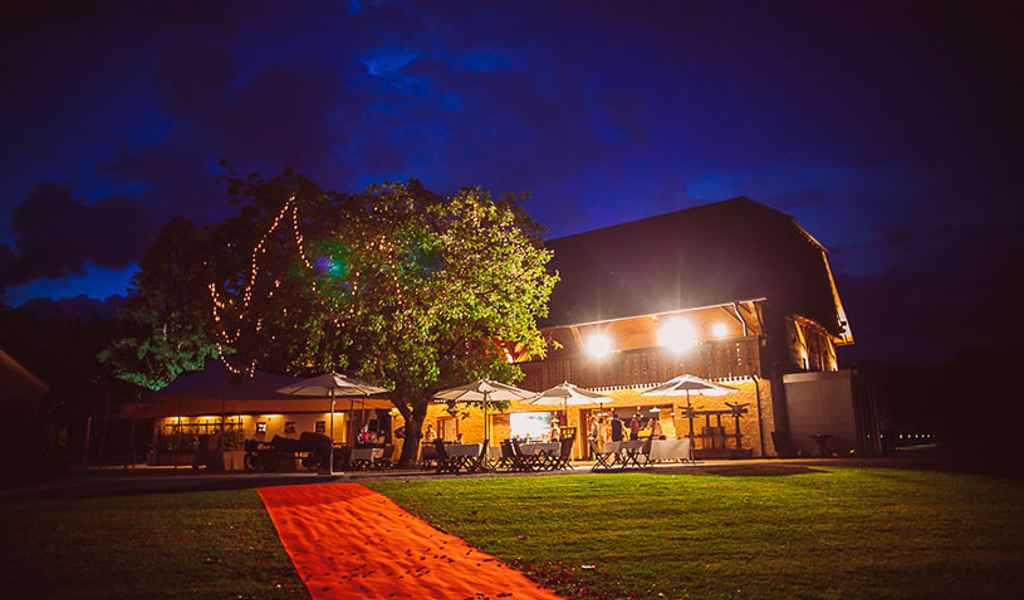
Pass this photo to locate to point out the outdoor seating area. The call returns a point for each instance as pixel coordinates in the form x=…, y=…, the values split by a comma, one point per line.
x=310, y=453
x=515, y=456
x=640, y=454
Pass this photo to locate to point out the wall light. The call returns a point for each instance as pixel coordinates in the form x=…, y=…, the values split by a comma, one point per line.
x=598, y=345
x=720, y=330
x=677, y=335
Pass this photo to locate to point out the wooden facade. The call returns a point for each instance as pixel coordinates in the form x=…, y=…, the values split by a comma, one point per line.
x=711, y=359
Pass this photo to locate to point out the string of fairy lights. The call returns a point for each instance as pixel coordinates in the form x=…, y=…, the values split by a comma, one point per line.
x=220, y=306
x=388, y=254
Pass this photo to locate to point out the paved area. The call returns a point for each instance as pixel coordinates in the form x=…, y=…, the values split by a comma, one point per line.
x=106, y=481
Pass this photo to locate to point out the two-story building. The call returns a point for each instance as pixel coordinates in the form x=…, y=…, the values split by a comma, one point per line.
x=735, y=292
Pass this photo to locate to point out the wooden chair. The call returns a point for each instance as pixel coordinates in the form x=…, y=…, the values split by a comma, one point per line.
x=525, y=462
x=478, y=462
x=602, y=460
x=445, y=462
x=385, y=459
x=565, y=455
x=508, y=457
x=428, y=455
x=645, y=454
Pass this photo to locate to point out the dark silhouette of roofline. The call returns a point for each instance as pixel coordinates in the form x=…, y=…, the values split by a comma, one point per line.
x=676, y=214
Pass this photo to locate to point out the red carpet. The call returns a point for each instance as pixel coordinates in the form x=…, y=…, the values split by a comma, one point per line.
x=347, y=541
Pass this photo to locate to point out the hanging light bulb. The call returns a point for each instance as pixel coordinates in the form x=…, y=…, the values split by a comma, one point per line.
x=677, y=335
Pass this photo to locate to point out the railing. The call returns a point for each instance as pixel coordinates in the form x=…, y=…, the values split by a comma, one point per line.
x=736, y=357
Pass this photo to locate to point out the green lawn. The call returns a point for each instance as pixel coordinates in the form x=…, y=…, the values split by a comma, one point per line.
x=196, y=545
x=836, y=533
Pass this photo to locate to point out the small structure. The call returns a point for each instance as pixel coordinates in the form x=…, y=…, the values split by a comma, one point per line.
x=199, y=405
x=21, y=394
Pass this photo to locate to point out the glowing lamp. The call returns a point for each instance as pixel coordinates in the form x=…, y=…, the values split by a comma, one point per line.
x=677, y=335
x=720, y=330
x=598, y=345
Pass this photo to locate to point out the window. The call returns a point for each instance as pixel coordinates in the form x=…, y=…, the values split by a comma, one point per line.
x=261, y=427
x=447, y=428
x=321, y=426
x=289, y=426
x=533, y=425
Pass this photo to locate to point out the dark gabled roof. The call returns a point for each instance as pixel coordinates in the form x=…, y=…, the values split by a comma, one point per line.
x=216, y=382
x=711, y=254
x=18, y=382
x=215, y=390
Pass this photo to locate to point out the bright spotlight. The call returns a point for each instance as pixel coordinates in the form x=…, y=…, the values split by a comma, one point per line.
x=677, y=335
x=598, y=345
x=720, y=330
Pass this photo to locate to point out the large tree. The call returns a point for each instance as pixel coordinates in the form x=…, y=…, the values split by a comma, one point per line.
x=447, y=290
x=399, y=285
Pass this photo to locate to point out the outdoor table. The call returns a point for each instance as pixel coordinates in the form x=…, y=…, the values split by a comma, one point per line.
x=612, y=447
x=365, y=456
x=535, y=448
x=464, y=454
x=634, y=450
x=538, y=455
x=542, y=452
x=607, y=455
x=462, y=450
x=671, y=450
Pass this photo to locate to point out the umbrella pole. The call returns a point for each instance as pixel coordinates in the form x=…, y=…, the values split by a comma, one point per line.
x=689, y=416
x=487, y=437
x=330, y=450
x=349, y=438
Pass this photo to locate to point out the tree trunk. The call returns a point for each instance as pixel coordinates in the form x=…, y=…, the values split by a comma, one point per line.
x=413, y=433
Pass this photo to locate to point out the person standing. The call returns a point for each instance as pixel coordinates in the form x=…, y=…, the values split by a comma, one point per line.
x=595, y=429
x=656, y=432
x=635, y=425
x=616, y=427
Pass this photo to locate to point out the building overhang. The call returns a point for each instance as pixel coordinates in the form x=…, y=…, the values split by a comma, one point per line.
x=674, y=311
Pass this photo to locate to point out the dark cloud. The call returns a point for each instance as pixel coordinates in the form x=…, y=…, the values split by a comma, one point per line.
x=56, y=235
x=917, y=311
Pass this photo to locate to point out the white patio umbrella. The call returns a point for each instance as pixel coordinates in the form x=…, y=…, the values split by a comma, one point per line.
x=567, y=394
x=483, y=392
x=685, y=385
x=329, y=386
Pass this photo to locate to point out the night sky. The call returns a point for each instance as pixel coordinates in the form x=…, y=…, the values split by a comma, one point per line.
x=887, y=131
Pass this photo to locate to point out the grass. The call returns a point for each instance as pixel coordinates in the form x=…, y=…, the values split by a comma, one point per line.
x=195, y=545
x=835, y=533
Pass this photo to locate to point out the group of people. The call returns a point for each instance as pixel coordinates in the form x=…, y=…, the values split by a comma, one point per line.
x=613, y=428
